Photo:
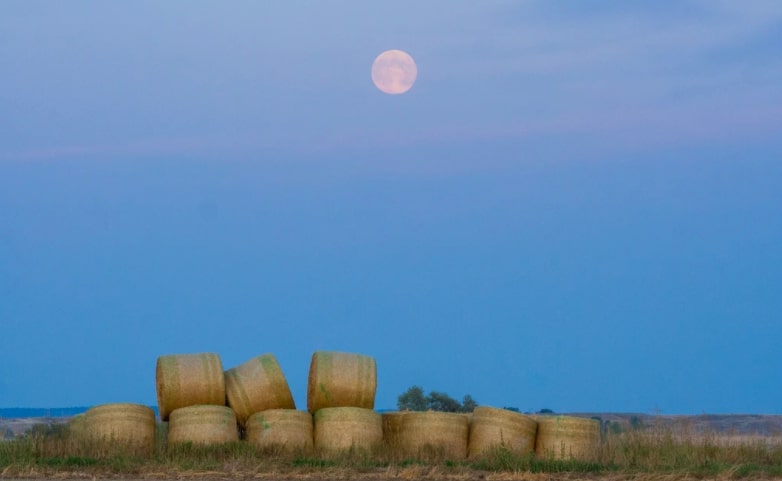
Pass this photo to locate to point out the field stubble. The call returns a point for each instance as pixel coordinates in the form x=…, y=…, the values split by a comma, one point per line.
x=650, y=453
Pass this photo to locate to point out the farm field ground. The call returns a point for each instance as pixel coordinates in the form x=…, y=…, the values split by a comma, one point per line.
x=635, y=446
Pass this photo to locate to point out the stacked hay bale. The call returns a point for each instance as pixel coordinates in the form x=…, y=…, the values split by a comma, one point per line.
x=491, y=428
x=257, y=385
x=76, y=428
x=341, y=395
x=202, y=424
x=125, y=426
x=191, y=397
x=433, y=434
x=344, y=428
x=341, y=379
x=185, y=380
x=392, y=421
x=287, y=429
x=566, y=437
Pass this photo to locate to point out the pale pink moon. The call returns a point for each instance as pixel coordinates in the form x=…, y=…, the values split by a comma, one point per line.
x=394, y=72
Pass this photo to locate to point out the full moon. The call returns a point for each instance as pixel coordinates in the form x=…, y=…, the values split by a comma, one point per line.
x=394, y=72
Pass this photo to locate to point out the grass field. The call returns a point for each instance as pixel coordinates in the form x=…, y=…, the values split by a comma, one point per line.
x=649, y=453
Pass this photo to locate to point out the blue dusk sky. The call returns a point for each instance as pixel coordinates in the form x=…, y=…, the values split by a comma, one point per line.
x=578, y=205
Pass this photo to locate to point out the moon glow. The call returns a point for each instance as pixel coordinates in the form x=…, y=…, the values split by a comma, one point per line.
x=394, y=72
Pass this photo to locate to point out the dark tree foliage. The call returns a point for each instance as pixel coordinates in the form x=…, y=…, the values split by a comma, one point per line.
x=468, y=404
x=439, y=401
x=414, y=400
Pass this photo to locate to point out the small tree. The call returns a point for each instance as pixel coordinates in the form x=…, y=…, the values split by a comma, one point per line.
x=439, y=401
x=636, y=423
x=412, y=400
x=468, y=404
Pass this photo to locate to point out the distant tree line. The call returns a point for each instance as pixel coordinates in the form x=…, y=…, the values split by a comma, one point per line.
x=414, y=400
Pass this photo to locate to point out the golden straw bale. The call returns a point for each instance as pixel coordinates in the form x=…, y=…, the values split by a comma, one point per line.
x=567, y=437
x=187, y=380
x=130, y=425
x=442, y=433
x=257, y=385
x=343, y=428
x=493, y=427
x=203, y=424
x=77, y=428
x=339, y=379
x=288, y=428
x=392, y=421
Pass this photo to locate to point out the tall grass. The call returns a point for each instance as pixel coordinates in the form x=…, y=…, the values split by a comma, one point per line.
x=636, y=452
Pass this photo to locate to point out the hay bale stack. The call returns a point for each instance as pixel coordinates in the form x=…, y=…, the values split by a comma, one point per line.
x=127, y=425
x=202, y=424
x=257, y=385
x=339, y=379
x=392, y=421
x=438, y=433
x=187, y=380
x=492, y=427
x=286, y=428
x=77, y=433
x=566, y=437
x=76, y=426
x=343, y=428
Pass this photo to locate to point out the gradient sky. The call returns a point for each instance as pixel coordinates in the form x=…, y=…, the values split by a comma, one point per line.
x=578, y=206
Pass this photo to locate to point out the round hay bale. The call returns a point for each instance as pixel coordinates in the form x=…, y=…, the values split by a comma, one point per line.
x=203, y=424
x=187, y=380
x=288, y=428
x=442, y=434
x=343, y=428
x=492, y=427
x=468, y=416
x=566, y=437
x=128, y=425
x=392, y=421
x=340, y=379
x=257, y=385
x=77, y=428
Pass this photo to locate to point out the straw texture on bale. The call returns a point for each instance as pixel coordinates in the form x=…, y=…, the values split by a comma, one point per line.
x=443, y=433
x=392, y=421
x=203, y=424
x=343, y=428
x=339, y=379
x=77, y=427
x=131, y=425
x=566, y=437
x=257, y=385
x=187, y=380
x=492, y=427
x=288, y=428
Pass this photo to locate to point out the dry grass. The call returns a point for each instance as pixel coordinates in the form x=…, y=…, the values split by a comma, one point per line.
x=643, y=455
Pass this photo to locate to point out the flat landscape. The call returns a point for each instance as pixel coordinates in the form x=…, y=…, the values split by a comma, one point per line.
x=759, y=425
x=635, y=446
